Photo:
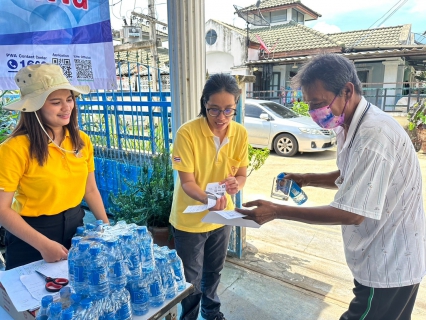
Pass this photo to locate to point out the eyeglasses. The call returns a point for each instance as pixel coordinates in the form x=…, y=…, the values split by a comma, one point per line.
x=229, y=112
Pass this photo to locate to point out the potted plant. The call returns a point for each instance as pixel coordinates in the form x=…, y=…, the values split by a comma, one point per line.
x=148, y=201
x=417, y=124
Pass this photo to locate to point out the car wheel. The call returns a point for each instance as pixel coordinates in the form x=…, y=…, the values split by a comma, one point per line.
x=285, y=145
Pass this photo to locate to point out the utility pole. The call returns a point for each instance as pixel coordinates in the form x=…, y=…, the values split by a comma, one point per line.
x=153, y=38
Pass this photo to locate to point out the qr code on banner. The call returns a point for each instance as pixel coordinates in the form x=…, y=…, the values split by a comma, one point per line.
x=65, y=64
x=84, y=69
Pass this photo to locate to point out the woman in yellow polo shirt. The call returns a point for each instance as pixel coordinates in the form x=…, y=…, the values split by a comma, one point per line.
x=46, y=168
x=211, y=148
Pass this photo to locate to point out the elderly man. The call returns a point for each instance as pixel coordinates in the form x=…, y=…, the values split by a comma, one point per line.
x=379, y=192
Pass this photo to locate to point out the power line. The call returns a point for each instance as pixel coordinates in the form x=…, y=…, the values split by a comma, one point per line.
x=395, y=8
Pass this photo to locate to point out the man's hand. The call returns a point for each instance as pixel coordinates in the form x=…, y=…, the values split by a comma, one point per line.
x=266, y=211
x=53, y=251
x=231, y=184
x=299, y=178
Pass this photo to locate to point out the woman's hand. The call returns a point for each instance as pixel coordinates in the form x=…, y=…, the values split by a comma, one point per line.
x=231, y=184
x=220, y=204
x=53, y=251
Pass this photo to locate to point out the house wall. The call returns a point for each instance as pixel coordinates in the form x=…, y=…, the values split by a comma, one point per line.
x=230, y=46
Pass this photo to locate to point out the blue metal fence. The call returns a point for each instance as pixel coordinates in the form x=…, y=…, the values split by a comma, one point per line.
x=126, y=126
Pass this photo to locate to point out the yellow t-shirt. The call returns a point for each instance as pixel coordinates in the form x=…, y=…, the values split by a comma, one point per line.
x=194, y=150
x=56, y=186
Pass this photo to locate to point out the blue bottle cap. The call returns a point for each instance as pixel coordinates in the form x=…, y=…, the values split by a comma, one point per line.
x=94, y=251
x=55, y=308
x=172, y=254
x=67, y=314
x=75, y=241
x=75, y=298
x=83, y=246
x=46, y=300
x=80, y=230
x=281, y=175
x=65, y=291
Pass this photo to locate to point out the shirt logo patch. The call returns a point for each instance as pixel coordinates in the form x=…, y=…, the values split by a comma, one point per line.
x=177, y=159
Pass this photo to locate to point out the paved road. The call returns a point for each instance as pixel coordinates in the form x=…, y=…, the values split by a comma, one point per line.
x=305, y=258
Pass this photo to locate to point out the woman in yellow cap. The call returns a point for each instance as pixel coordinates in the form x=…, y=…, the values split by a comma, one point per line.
x=47, y=167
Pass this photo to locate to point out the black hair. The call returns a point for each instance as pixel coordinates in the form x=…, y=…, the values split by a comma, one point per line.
x=334, y=71
x=218, y=82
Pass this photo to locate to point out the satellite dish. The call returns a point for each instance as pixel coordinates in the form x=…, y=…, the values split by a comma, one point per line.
x=250, y=16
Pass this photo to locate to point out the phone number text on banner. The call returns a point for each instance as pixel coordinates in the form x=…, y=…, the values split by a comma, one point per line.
x=75, y=34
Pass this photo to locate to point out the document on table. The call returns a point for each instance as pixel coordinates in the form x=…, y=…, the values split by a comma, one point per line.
x=35, y=283
x=214, y=191
x=18, y=293
x=230, y=218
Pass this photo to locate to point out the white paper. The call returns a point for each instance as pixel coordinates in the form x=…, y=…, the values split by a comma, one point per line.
x=200, y=208
x=18, y=293
x=216, y=188
x=35, y=285
x=230, y=218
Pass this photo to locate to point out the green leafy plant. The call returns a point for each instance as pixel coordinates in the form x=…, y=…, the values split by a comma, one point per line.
x=149, y=200
x=257, y=158
x=416, y=115
x=301, y=108
x=7, y=119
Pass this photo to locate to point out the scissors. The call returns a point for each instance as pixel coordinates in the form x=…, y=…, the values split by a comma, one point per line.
x=53, y=284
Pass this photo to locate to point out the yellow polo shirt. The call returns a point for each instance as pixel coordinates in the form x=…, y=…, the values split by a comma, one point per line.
x=194, y=150
x=56, y=186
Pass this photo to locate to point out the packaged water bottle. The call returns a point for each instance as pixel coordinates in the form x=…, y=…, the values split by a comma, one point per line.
x=99, y=226
x=55, y=311
x=65, y=297
x=156, y=290
x=71, y=258
x=75, y=301
x=43, y=312
x=86, y=312
x=146, y=247
x=132, y=255
x=106, y=309
x=98, y=273
x=177, y=267
x=117, y=267
x=139, y=295
x=296, y=193
x=167, y=278
x=67, y=314
x=121, y=299
x=80, y=231
x=81, y=261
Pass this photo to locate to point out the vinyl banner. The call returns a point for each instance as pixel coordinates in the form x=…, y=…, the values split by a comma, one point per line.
x=75, y=34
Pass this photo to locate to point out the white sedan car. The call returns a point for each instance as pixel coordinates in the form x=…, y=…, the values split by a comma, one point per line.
x=274, y=126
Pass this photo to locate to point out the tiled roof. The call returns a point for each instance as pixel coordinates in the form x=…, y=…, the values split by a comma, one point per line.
x=293, y=36
x=374, y=38
x=409, y=51
x=265, y=4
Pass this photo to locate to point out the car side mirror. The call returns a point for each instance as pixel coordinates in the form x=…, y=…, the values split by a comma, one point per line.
x=264, y=116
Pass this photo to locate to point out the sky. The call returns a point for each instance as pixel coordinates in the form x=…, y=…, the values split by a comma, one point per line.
x=336, y=16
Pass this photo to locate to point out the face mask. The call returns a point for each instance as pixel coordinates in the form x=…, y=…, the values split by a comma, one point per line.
x=325, y=118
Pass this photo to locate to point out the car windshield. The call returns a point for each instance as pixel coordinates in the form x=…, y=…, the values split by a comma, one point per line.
x=279, y=110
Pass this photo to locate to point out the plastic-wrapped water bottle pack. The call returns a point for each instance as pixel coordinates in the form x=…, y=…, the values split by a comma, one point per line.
x=115, y=272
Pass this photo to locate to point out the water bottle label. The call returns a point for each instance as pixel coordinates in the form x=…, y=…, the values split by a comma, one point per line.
x=155, y=289
x=139, y=296
x=79, y=273
x=71, y=266
x=124, y=311
x=178, y=272
x=98, y=277
x=119, y=268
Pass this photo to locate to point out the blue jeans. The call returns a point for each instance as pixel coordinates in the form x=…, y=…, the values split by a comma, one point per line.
x=203, y=256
